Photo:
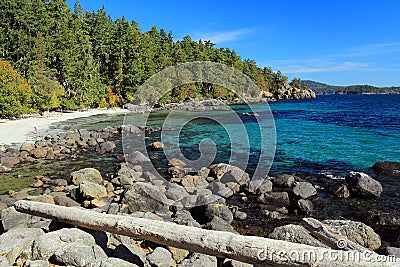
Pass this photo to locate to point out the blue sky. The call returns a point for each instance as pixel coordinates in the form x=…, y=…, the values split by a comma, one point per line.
x=336, y=42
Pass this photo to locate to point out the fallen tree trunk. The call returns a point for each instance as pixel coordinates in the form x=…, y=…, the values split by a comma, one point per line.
x=249, y=249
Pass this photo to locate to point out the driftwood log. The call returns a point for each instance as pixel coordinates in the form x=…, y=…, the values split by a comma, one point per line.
x=249, y=249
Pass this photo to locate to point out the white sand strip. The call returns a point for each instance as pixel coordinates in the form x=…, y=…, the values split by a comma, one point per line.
x=19, y=131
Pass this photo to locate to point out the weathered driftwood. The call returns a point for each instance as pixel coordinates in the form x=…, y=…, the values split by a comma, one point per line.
x=250, y=249
x=327, y=236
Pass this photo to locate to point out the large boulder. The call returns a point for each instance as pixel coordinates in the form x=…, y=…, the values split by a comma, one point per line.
x=190, y=181
x=357, y=232
x=46, y=245
x=87, y=174
x=39, y=153
x=10, y=219
x=145, y=197
x=90, y=190
x=9, y=162
x=296, y=234
x=388, y=168
x=304, y=190
x=110, y=262
x=363, y=185
x=27, y=146
x=76, y=254
x=18, y=242
x=236, y=176
x=161, y=257
x=259, y=186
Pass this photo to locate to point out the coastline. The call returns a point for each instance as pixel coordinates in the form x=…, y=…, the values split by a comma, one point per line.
x=14, y=132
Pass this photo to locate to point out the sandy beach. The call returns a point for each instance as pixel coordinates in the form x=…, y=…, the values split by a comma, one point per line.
x=19, y=131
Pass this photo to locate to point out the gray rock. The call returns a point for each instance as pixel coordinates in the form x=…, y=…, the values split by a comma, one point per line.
x=176, y=192
x=87, y=174
x=18, y=242
x=184, y=217
x=161, y=257
x=46, y=245
x=137, y=158
x=108, y=146
x=284, y=180
x=77, y=254
x=240, y=215
x=9, y=162
x=199, y=260
x=145, y=197
x=220, y=189
x=27, y=146
x=304, y=190
x=296, y=234
x=357, y=232
x=65, y=201
x=219, y=210
x=38, y=263
x=10, y=218
x=219, y=224
x=4, y=262
x=237, y=176
x=340, y=191
x=190, y=181
x=363, y=185
x=259, y=186
x=218, y=170
x=275, y=198
x=39, y=153
x=305, y=205
x=111, y=262
x=91, y=190
x=189, y=201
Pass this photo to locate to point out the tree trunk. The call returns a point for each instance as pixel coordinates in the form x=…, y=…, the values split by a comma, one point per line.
x=249, y=249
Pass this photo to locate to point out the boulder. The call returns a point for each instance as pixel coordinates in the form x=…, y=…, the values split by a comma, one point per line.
x=156, y=146
x=199, y=260
x=63, y=200
x=296, y=234
x=136, y=158
x=90, y=190
x=275, y=198
x=87, y=174
x=9, y=162
x=176, y=162
x=183, y=217
x=10, y=218
x=46, y=245
x=145, y=197
x=284, y=180
x=176, y=192
x=39, y=153
x=161, y=257
x=108, y=146
x=79, y=255
x=178, y=254
x=240, y=216
x=363, y=185
x=190, y=181
x=42, y=198
x=37, y=263
x=340, y=191
x=388, y=168
x=219, y=210
x=176, y=172
x=304, y=190
x=219, y=224
x=220, y=189
x=233, y=263
x=305, y=205
x=110, y=262
x=357, y=232
x=18, y=241
x=236, y=175
x=259, y=186
x=27, y=146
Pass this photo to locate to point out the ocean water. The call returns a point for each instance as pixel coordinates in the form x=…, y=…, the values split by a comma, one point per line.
x=329, y=134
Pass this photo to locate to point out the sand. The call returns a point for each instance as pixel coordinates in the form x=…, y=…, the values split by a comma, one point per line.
x=19, y=131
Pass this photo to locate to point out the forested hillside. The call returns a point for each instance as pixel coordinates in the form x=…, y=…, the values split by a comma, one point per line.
x=53, y=57
x=322, y=88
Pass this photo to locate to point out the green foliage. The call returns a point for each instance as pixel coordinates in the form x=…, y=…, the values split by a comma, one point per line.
x=77, y=59
x=15, y=91
x=322, y=88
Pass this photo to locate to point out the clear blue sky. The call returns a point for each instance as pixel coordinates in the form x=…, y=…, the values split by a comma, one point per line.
x=337, y=42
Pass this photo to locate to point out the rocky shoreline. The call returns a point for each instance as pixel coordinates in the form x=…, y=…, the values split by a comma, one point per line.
x=202, y=199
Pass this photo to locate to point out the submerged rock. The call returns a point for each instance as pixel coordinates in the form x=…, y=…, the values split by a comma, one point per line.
x=389, y=168
x=363, y=185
